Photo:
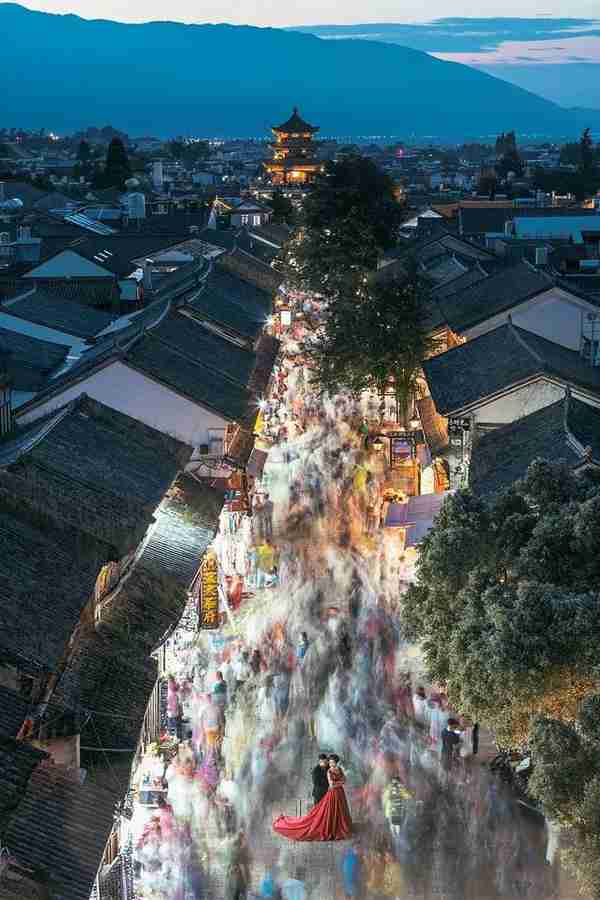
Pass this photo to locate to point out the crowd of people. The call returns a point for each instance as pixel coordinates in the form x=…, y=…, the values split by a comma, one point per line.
x=319, y=667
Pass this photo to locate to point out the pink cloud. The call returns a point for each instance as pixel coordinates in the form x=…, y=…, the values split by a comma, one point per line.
x=586, y=49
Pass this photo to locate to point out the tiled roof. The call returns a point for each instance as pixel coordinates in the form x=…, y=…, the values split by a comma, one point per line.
x=295, y=124
x=501, y=457
x=107, y=470
x=113, y=679
x=273, y=232
x=205, y=367
x=44, y=307
x=457, y=285
x=17, y=762
x=31, y=360
x=47, y=575
x=498, y=293
x=13, y=711
x=496, y=361
x=61, y=827
x=189, y=377
x=116, y=252
x=185, y=525
x=233, y=303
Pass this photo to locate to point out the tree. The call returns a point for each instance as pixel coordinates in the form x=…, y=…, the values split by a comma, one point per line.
x=509, y=158
x=377, y=341
x=283, y=210
x=349, y=219
x=84, y=153
x=505, y=605
x=566, y=779
x=116, y=168
x=586, y=152
x=189, y=151
x=487, y=184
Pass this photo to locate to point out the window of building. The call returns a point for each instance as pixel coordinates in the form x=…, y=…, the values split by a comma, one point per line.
x=256, y=220
x=244, y=220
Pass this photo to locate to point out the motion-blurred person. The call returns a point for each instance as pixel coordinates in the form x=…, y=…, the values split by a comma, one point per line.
x=394, y=883
x=293, y=888
x=351, y=867
x=450, y=738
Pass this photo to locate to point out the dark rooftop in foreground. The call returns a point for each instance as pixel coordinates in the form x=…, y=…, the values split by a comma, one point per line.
x=501, y=457
x=42, y=307
x=495, y=361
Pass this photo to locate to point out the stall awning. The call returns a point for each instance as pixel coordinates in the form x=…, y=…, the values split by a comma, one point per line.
x=416, y=516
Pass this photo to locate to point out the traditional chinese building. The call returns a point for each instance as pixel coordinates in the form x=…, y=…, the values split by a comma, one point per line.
x=293, y=152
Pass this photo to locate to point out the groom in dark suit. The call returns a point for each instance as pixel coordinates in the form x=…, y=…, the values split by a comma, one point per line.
x=319, y=778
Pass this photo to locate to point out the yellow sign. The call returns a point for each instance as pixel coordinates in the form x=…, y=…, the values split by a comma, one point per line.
x=208, y=612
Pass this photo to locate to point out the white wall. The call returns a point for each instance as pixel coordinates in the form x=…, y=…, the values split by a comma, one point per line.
x=524, y=401
x=555, y=315
x=132, y=393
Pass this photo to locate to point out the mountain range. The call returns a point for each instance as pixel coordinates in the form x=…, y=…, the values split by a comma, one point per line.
x=63, y=72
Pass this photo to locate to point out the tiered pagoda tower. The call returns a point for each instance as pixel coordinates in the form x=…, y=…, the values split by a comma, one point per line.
x=293, y=152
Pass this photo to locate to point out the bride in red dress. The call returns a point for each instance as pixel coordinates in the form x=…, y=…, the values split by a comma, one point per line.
x=329, y=820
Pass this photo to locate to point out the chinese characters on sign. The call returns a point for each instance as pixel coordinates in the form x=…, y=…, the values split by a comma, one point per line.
x=208, y=613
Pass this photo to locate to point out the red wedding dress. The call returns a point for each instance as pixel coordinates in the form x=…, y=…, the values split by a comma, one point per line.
x=329, y=820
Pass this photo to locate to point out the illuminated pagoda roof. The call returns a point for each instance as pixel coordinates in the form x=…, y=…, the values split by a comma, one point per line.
x=295, y=125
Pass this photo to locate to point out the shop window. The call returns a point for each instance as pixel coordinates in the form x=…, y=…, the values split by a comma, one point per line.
x=244, y=220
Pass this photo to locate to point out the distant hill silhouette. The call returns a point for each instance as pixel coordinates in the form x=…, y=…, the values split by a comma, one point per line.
x=63, y=72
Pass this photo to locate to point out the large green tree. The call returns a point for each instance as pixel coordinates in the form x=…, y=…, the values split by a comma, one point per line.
x=283, y=209
x=349, y=219
x=116, y=168
x=566, y=779
x=507, y=610
x=506, y=605
x=376, y=340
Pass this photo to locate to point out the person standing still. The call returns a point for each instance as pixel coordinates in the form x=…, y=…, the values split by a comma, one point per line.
x=319, y=778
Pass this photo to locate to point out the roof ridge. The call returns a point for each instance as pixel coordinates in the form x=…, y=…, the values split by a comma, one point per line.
x=515, y=330
x=197, y=362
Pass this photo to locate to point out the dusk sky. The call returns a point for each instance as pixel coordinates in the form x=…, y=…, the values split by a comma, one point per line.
x=554, y=56
x=309, y=12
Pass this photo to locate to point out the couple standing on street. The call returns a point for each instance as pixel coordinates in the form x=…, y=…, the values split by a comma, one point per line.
x=329, y=819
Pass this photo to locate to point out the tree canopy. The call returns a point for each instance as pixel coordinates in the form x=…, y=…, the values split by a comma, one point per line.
x=283, y=209
x=189, y=151
x=506, y=605
x=116, y=167
x=349, y=219
x=377, y=340
x=509, y=158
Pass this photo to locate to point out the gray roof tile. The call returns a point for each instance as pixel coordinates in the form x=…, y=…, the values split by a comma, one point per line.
x=487, y=297
x=31, y=360
x=232, y=303
x=61, y=827
x=501, y=457
x=495, y=361
x=42, y=307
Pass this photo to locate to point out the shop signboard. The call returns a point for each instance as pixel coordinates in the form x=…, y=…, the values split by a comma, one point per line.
x=208, y=611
